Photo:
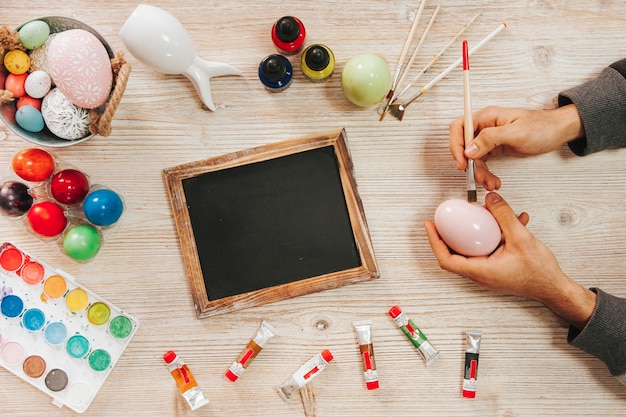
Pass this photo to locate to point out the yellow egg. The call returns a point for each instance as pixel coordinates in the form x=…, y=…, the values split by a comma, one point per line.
x=17, y=62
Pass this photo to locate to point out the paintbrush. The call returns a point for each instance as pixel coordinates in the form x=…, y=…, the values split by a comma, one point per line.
x=391, y=97
x=436, y=57
x=397, y=110
x=469, y=125
x=405, y=48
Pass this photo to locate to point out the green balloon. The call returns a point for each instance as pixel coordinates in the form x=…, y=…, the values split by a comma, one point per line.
x=366, y=79
x=81, y=243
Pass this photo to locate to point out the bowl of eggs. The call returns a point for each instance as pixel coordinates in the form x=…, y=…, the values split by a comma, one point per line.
x=60, y=81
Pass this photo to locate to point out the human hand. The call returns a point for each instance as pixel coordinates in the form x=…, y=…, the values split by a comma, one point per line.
x=512, y=131
x=522, y=265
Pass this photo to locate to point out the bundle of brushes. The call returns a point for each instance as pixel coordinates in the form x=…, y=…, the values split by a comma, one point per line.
x=395, y=105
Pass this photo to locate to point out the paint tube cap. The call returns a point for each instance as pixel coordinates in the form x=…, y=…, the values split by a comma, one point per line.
x=231, y=375
x=395, y=311
x=469, y=394
x=169, y=356
x=326, y=355
x=372, y=385
x=317, y=57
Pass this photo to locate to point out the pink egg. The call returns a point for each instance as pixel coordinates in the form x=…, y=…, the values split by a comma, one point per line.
x=80, y=67
x=467, y=228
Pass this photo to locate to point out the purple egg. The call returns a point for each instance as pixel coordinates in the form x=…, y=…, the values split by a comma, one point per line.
x=14, y=198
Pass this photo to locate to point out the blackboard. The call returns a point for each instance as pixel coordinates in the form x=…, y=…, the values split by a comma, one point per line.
x=270, y=223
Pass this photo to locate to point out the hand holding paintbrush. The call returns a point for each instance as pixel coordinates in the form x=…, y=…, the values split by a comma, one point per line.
x=468, y=125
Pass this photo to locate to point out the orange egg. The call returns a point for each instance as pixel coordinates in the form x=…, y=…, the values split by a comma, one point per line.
x=15, y=84
x=29, y=101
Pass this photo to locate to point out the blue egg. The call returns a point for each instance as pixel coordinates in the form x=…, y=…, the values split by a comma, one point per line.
x=103, y=207
x=30, y=119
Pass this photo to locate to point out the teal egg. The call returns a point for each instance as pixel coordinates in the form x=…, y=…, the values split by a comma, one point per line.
x=29, y=119
x=34, y=34
x=81, y=243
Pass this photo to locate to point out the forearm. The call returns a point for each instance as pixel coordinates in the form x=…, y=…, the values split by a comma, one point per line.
x=570, y=301
x=601, y=103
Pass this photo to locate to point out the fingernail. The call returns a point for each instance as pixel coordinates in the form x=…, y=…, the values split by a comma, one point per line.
x=493, y=198
x=471, y=151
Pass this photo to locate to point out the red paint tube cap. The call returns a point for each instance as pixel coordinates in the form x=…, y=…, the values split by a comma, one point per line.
x=372, y=385
x=469, y=394
x=230, y=375
x=327, y=355
x=395, y=311
x=169, y=356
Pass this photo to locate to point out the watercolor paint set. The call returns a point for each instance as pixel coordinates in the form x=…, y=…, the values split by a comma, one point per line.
x=58, y=203
x=56, y=334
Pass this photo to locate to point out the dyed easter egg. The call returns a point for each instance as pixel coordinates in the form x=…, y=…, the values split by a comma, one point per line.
x=33, y=164
x=63, y=118
x=47, y=218
x=14, y=198
x=103, y=207
x=37, y=84
x=30, y=119
x=365, y=79
x=467, y=228
x=15, y=84
x=69, y=186
x=34, y=34
x=28, y=101
x=82, y=242
x=17, y=62
x=80, y=67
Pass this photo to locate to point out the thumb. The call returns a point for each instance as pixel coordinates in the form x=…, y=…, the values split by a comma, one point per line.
x=482, y=144
x=504, y=215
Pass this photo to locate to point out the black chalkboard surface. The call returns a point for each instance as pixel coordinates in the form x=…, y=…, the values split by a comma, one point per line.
x=270, y=223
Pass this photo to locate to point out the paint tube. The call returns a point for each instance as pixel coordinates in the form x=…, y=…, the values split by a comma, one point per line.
x=312, y=368
x=252, y=349
x=471, y=362
x=364, y=337
x=429, y=353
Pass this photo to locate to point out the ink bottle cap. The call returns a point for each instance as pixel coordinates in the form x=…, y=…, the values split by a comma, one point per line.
x=395, y=311
x=326, y=355
x=275, y=72
x=288, y=34
x=317, y=62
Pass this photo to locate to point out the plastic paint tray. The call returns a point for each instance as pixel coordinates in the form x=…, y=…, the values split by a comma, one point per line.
x=55, y=334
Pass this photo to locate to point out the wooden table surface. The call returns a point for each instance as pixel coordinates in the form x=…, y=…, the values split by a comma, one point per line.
x=403, y=170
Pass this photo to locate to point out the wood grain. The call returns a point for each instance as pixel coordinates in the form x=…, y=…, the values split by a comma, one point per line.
x=403, y=171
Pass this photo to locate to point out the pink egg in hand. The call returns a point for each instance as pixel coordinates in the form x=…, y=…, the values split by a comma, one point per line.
x=467, y=228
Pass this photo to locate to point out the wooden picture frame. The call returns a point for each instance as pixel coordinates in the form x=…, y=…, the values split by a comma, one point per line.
x=217, y=235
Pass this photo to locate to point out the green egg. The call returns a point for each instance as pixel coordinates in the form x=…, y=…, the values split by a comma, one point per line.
x=34, y=34
x=81, y=243
x=366, y=79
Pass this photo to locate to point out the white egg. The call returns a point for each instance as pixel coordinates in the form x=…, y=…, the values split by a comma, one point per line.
x=38, y=84
x=467, y=228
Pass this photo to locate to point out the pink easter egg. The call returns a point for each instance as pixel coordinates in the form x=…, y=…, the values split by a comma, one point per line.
x=80, y=67
x=467, y=228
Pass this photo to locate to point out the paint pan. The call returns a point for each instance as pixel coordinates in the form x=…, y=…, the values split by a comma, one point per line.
x=56, y=334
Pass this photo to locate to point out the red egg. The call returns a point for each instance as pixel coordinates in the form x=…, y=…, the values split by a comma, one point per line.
x=47, y=218
x=15, y=84
x=33, y=164
x=29, y=101
x=69, y=186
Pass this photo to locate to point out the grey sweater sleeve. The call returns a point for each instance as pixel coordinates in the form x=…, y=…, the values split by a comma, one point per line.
x=604, y=336
x=601, y=103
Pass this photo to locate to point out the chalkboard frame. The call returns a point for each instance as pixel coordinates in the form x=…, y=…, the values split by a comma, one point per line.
x=204, y=307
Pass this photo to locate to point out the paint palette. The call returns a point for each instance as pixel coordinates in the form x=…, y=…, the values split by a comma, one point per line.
x=55, y=334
